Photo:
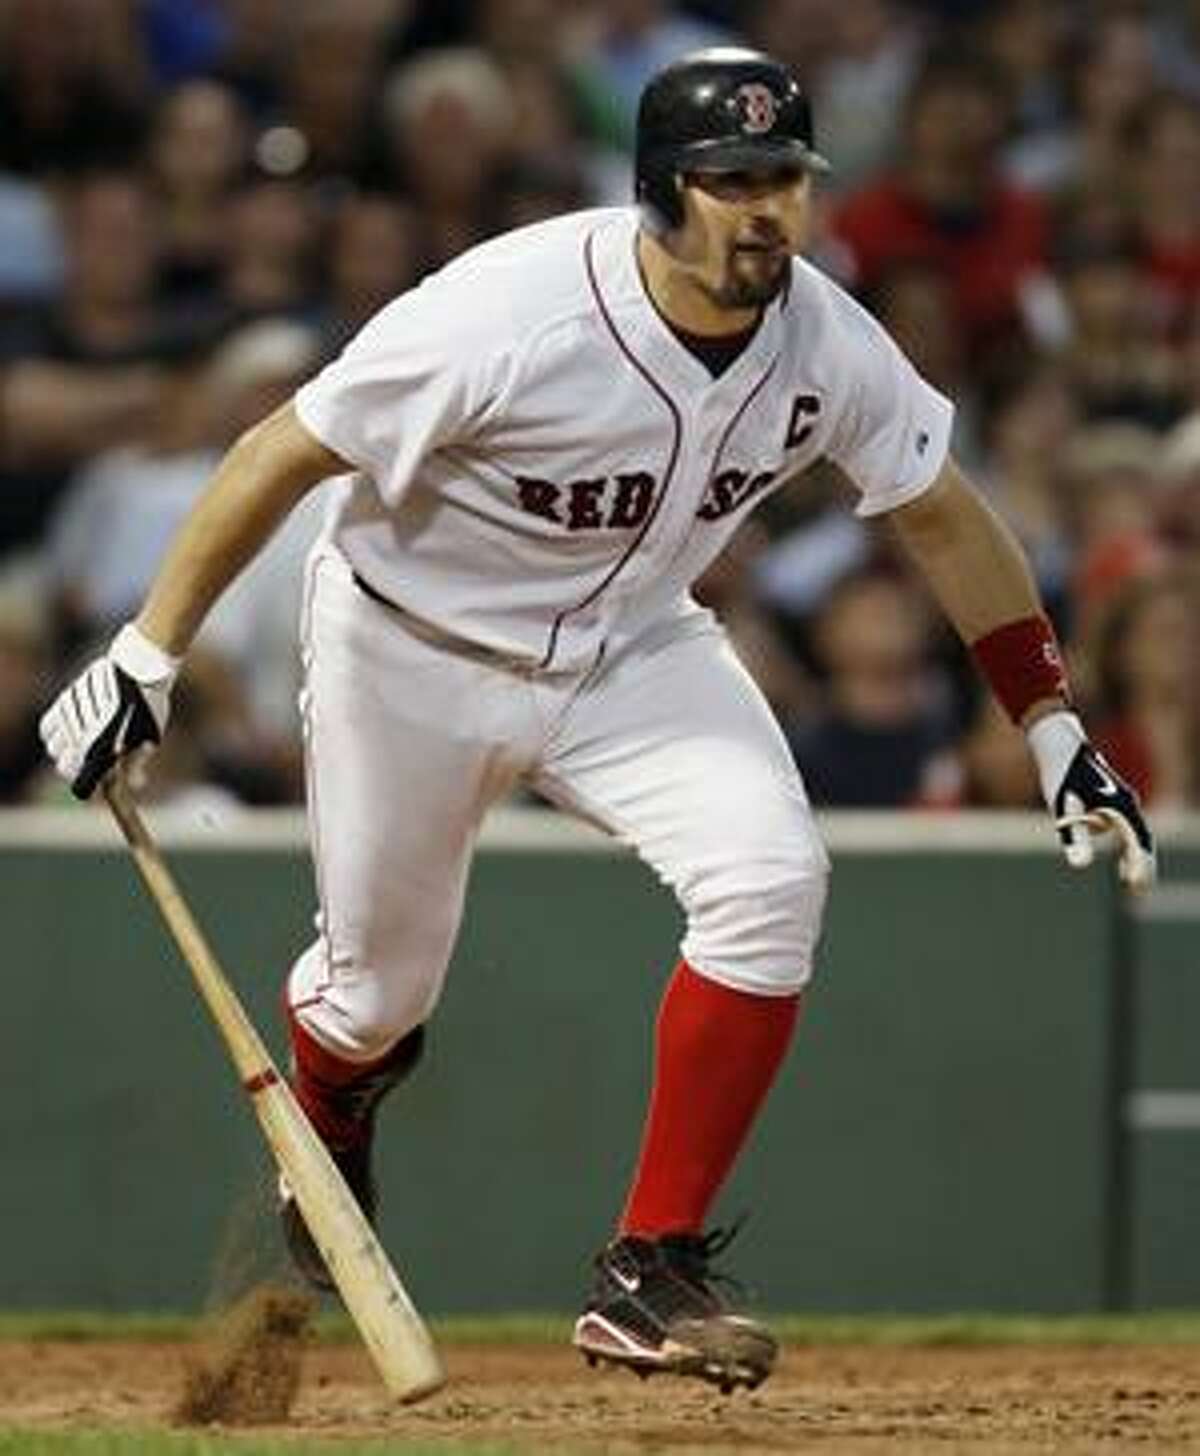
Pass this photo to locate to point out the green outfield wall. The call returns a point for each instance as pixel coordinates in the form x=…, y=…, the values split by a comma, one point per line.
x=987, y=1106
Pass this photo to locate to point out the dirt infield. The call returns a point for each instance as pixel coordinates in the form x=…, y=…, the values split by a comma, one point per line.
x=541, y=1399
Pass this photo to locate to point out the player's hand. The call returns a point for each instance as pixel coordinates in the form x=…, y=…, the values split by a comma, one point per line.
x=1089, y=800
x=118, y=703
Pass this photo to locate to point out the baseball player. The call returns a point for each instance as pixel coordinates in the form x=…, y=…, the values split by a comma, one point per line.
x=535, y=453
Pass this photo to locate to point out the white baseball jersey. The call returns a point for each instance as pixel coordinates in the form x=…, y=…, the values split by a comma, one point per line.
x=544, y=468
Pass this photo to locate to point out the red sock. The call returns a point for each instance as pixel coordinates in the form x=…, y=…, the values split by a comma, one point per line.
x=717, y=1052
x=316, y=1074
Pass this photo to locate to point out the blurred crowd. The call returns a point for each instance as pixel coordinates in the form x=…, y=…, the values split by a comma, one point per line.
x=201, y=200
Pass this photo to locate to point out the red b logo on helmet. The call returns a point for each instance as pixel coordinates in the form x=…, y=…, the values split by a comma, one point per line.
x=758, y=107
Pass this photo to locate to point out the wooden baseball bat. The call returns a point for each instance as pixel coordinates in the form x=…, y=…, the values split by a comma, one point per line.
x=371, y=1291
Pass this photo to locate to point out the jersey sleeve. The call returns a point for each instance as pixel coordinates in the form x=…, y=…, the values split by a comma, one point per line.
x=415, y=378
x=893, y=434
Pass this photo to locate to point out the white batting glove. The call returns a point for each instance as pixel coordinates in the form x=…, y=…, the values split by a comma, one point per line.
x=118, y=703
x=1089, y=800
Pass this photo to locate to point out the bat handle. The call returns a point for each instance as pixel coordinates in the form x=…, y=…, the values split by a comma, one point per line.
x=119, y=797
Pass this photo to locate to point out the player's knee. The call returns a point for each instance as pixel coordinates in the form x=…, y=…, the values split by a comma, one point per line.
x=761, y=936
x=362, y=1016
x=381, y=1011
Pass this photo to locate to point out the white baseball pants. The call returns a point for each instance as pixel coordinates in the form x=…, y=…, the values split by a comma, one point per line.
x=668, y=745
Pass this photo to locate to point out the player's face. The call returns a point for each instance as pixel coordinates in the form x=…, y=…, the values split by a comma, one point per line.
x=740, y=231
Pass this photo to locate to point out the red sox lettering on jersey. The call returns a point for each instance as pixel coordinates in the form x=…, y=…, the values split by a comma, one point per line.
x=623, y=501
x=543, y=517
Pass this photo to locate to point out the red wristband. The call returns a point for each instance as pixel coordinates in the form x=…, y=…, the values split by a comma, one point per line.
x=1023, y=665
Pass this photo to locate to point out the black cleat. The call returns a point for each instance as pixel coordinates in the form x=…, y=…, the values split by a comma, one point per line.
x=654, y=1308
x=353, y=1105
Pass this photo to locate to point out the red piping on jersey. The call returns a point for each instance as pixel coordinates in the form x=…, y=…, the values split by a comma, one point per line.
x=724, y=440
x=677, y=421
x=740, y=411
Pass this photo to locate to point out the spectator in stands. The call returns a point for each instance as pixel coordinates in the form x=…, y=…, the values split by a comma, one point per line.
x=515, y=32
x=532, y=191
x=1110, y=476
x=1167, y=209
x=371, y=256
x=875, y=52
x=1176, y=39
x=53, y=413
x=119, y=508
x=109, y=309
x=253, y=48
x=633, y=40
x=535, y=44
x=183, y=39
x=335, y=59
x=423, y=28
x=450, y=117
x=73, y=86
x=1031, y=413
x=198, y=151
x=109, y=321
x=994, y=766
x=1179, y=489
x=272, y=242
x=1111, y=79
x=885, y=735
x=1115, y=356
x=800, y=33
x=543, y=124
x=946, y=204
x=1146, y=652
x=1027, y=40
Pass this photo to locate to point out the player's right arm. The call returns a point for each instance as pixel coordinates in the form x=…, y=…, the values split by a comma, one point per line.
x=121, y=701
x=257, y=484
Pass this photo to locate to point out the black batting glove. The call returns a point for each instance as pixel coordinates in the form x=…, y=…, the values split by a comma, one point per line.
x=118, y=704
x=1089, y=800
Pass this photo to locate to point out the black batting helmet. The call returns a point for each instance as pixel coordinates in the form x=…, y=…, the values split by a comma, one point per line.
x=720, y=110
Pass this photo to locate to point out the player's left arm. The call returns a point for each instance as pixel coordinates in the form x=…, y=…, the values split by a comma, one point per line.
x=980, y=577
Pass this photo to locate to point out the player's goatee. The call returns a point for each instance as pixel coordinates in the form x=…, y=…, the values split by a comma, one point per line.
x=746, y=288
x=749, y=293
